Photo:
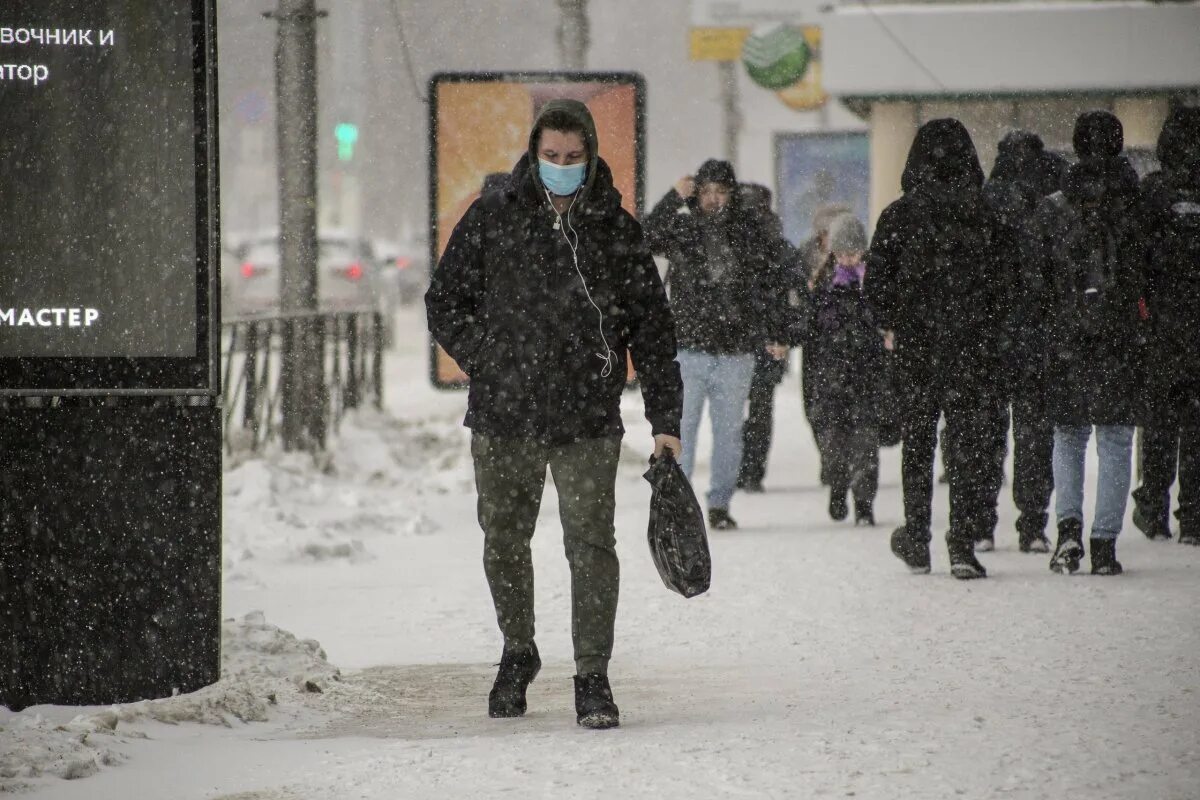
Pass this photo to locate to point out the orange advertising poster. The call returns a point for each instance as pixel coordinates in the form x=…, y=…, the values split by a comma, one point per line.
x=479, y=125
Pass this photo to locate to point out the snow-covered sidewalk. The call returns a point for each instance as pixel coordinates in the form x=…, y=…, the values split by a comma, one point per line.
x=815, y=666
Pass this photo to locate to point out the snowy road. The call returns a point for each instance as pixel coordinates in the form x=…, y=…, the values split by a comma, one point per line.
x=815, y=667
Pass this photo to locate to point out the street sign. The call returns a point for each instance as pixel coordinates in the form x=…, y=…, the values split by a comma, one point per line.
x=108, y=176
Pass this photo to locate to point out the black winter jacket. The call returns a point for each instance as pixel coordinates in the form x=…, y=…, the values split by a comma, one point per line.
x=934, y=274
x=847, y=369
x=1171, y=229
x=740, y=311
x=507, y=304
x=1085, y=257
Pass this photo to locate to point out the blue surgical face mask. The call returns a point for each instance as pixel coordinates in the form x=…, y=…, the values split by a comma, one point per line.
x=562, y=181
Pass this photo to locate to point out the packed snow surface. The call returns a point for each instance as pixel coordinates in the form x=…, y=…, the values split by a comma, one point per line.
x=816, y=666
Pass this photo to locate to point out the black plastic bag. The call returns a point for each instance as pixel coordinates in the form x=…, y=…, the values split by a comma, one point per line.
x=678, y=540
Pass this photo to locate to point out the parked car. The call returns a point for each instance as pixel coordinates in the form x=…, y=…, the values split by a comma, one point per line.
x=347, y=276
x=405, y=267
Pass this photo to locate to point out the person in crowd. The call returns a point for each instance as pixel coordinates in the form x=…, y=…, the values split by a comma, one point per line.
x=814, y=252
x=768, y=370
x=1021, y=177
x=847, y=372
x=542, y=325
x=935, y=282
x=1171, y=434
x=728, y=304
x=1086, y=255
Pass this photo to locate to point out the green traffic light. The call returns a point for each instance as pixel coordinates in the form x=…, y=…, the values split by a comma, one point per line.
x=346, y=134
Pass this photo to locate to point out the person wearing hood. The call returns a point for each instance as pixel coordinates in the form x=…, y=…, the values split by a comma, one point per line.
x=1171, y=435
x=768, y=371
x=1024, y=173
x=729, y=305
x=848, y=373
x=544, y=288
x=1086, y=257
x=935, y=281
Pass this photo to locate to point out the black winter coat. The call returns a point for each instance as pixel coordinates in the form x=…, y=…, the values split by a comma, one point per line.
x=1014, y=204
x=847, y=370
x=1085, y=258
x=507, y=304
x=934, y=271
x=740, y=311
x=1171, y=216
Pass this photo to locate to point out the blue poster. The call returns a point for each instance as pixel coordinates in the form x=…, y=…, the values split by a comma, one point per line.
x=813, y=170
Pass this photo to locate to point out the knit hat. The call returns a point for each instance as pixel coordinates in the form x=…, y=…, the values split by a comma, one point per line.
x=847, y=235
x=1098, y=134
x=714, y=171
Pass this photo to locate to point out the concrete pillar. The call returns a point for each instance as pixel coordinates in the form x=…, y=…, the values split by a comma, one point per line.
x=1142, y=118
x=893, y=126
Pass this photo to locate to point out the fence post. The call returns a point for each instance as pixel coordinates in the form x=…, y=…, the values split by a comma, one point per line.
x=353, y=366
x=250, y=370
x=377, y=359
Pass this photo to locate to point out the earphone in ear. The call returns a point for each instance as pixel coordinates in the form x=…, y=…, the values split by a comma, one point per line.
x=609, y=356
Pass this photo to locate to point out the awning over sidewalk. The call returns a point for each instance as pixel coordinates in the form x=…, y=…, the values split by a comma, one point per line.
x=1010, y=48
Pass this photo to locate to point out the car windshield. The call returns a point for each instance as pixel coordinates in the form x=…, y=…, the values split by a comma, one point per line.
x=335, y=250
x=263, y=253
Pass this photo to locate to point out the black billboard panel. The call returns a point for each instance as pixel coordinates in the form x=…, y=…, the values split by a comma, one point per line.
x=108, y=210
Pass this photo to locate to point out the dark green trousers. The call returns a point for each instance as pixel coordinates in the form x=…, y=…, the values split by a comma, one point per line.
x=510, y=475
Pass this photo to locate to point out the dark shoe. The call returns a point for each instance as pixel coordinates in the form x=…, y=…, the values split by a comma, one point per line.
x=751, y=487
x=985, y=544
x=1104, y=557
x=1154, y=526
x=864, y=513
x=719, y=519
x=517, y=670
x=963, y=564
x=913, y=553
x=1069, y=550
x=1189, y=537
x=1031, y=533
x=594, y=706
x=837, y=504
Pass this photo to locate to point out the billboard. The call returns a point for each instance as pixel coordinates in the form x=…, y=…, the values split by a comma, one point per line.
x=813, y=170
x=107, y=196
x=479, y=125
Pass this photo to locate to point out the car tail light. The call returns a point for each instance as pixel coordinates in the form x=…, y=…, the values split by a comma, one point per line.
x=353, y=272
x=248, y=270
x=403, y=262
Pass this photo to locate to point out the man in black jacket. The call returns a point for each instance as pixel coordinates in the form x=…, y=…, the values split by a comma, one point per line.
x=935, y=281
x=543, y=289
x=728, y=305
x=1020, y=178
x=1171, y=229
x=1088, y=258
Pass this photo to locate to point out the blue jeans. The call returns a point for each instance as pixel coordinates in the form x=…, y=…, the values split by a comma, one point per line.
x=1115, y=446
x=724, y=381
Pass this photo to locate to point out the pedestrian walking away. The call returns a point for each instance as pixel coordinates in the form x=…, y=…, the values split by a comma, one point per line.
x=544, y=288
x=1024, y=173
x=848, y=374
x=768, y=370
x=1170, y=220
x=729, y=305
x=1087, y=256
x=934, y=280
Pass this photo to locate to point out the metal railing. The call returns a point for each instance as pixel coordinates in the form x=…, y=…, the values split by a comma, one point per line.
x=252, y=358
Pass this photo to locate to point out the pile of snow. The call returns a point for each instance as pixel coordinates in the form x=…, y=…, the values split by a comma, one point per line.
x=293, y=508
x=264, y=670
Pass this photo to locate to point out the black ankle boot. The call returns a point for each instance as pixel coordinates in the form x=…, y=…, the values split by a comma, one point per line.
x=517, y=670
x=864, y=512
x=963, y=563
x=1069, y=550
x=837, y=503
x=1104, y=557
x=912, y=550
x=594, y=706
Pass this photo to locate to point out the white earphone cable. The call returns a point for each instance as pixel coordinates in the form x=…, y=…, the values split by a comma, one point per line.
x=609, y=356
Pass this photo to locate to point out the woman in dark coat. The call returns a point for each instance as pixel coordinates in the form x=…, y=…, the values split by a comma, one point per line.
x=1171, y=227
x=1086, y=256
x=935, y=280
x=847, y=372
